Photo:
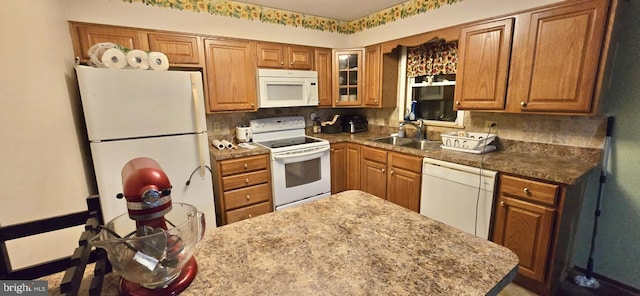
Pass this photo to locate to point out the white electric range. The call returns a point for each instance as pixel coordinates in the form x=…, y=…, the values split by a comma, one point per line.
x=300, y=165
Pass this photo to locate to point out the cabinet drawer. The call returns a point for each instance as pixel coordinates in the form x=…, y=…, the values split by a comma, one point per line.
x=247, y=196
x=407, y=162
x=529, y=189
x=244, y=165
x=180, y=49
x=248, y=212
x=373, y=154
x=244, y=180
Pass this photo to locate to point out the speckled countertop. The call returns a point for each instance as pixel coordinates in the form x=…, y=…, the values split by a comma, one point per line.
x=559, y=164
x=565, y=165
x=351, y=243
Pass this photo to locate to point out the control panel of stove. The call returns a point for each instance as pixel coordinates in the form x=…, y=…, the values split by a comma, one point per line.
x=264, y=125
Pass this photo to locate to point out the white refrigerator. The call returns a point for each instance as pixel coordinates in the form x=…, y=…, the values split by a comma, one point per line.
x=144, y=113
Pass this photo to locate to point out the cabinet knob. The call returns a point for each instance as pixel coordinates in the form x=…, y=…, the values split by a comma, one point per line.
x=248, y=197
x=392, y=172
x=383, y=170
x=502, y=203
x=250, y=215
x=526, y=190
x=253, y=104
x=458, y=103
x=337, y=101
x=523, y=104
x=281, y=63
x=246, y=165
x=291, y=63
x=375, y=101
x=246, y=181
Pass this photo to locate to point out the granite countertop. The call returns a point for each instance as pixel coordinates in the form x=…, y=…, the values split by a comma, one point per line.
x=565, y=165
x=351, y=243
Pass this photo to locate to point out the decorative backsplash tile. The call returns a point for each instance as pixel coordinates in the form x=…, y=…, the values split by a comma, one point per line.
x=282, y=17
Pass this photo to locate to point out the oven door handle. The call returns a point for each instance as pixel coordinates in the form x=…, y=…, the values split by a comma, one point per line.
x=301, y=154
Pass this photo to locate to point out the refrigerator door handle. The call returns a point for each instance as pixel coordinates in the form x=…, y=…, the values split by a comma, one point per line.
x=196, y=110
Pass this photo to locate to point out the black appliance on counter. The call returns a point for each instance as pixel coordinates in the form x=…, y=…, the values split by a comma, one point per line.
x=354, y=124
x=333, y=126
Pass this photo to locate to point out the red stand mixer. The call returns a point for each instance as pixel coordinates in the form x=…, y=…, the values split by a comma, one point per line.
x=156, y=258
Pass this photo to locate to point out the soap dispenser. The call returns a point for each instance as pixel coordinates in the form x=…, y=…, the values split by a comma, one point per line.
x=412, y=113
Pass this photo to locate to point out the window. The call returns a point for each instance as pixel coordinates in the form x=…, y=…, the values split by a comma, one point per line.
x=431, y=84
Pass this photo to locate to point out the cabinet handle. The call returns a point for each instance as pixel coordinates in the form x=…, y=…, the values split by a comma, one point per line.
x=502, y=203
x=291, y=63
x=250, y=215
x=246, y=165
x=391, y=172
x=526, y=190
x=375, y=101
x=253, y=104
x=281, y=63
x=248, y=197
x=246, y=181
x=383, y=170
x=337, y=101
x=523, y=104
x=458, y=103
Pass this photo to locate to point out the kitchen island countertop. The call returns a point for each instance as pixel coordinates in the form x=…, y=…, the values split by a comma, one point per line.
x=346, y=244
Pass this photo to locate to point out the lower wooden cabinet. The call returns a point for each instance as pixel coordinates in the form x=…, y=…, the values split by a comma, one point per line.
x=393, y=176
x=338, y=167
x=537, y=221
x=242, y=188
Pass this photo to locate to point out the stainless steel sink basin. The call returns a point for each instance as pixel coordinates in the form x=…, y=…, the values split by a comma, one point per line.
x=423, y=144
x=393, y=140
x=409, y=142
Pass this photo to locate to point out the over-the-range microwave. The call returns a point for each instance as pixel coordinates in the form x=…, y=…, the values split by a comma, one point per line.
x=287, y=88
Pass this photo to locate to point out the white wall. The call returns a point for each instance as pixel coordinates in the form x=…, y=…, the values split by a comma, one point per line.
x=446, y=16
x=41, y=151
x=117, y=12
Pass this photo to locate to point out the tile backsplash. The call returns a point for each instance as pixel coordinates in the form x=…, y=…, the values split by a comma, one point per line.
x=577, y=131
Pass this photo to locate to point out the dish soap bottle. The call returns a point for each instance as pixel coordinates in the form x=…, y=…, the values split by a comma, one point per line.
x=412, y=114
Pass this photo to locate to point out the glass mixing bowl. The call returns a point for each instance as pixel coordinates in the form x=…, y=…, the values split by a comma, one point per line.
x=153, y=260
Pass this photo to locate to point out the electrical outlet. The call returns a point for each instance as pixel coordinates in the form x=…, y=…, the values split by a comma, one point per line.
x=216, y=126
x=488, y=126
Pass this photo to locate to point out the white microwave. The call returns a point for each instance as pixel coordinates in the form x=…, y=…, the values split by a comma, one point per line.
x=287, y=88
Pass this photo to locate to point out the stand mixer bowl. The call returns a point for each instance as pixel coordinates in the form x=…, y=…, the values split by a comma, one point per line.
x=151, y=257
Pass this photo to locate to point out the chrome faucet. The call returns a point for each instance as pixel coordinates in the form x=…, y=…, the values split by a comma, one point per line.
x=419, y=127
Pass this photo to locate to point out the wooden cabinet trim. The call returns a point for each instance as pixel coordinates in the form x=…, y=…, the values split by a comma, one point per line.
x=179, y=49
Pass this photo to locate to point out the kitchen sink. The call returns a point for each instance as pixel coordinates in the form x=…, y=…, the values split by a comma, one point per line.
x=393, y=140
x=409, y=142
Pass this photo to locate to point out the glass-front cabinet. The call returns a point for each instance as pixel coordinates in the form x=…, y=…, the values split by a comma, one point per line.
x=347, y=84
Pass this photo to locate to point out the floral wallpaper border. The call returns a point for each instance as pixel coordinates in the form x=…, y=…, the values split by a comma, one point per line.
x=294, y=19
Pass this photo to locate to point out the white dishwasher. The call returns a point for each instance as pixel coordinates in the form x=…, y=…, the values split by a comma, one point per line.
x=450, y=194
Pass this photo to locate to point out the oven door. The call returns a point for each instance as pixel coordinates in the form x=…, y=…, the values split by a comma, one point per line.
x=300, y=174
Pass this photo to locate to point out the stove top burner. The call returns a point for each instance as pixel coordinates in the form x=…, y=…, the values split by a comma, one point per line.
x=279, y=143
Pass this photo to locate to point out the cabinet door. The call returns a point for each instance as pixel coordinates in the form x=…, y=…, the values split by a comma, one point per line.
x=374, y=178
x=373, y=76
x=231, y=77
x=338, y=167
x=562, y=57
x=404, y=180
x=179, y=49
x=525, y=228
x=322, y=62
x=300, y=57
x=271, y=55
x=483, y=66
x=353, y=166
x=88, y=35
x=347, y=72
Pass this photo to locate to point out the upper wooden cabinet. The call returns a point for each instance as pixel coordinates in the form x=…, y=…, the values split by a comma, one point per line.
x=554, y=64
x=380, y=77
x=182, y=50
x=483, y=65
x=323, y=64
x=560, y=58
x=347, y=78
x=231, y=74
x=283, y=56
x=86, y=35
x=179, y=49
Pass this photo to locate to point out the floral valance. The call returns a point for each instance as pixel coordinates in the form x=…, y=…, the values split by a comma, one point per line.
x=433, y=58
